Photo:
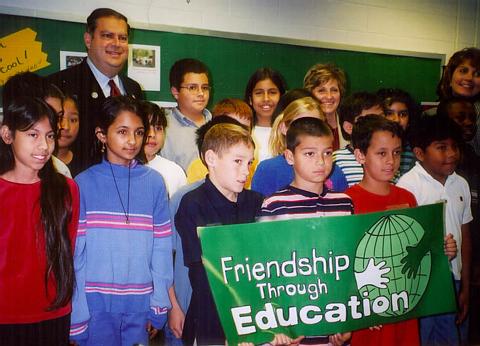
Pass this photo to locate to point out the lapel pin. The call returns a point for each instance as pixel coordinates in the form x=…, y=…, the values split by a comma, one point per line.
x=94, y=95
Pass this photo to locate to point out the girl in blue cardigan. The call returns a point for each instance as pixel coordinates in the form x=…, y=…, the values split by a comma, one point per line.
x=123, y=257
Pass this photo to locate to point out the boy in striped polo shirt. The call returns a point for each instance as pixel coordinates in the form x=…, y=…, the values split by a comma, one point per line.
x=309, y=151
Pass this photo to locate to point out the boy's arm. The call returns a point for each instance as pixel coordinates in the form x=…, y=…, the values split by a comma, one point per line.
x=466, y=251
x=162, y=262
x=80, y=313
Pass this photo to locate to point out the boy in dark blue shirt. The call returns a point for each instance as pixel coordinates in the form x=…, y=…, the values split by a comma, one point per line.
x=227, y=151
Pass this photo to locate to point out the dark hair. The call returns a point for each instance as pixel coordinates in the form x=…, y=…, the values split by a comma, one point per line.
x=55, y=199
x=430, y=128
x=219, y=119
x=306, y=126
x=262, y=74
x=29, y=84
x=155, y=114
x=391, y=95
x=353, y=105
x=112, y=107
x=472, y=54
x=51, y=90
x=181, y=67
x=444, y=105
x=103, y=13
x=26, y=84
x=288, y=98
x=366, y=126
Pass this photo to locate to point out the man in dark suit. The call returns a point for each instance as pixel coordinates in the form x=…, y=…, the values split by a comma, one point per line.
x=92, y=80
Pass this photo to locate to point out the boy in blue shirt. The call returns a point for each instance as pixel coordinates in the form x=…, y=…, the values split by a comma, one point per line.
x=190, y=86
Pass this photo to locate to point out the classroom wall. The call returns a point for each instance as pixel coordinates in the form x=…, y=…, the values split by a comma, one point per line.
x=441, y=27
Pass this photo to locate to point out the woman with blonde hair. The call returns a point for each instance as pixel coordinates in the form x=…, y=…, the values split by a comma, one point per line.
x=275, y=173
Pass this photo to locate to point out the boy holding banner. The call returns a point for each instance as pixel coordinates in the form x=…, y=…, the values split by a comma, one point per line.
x=436, y=143
x=227, y=151
x=377, y=146
x=309, y=151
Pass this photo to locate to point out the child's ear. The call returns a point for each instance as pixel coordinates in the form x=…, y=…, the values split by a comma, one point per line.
x=289, y=156
x=283, y=128
x=6, y=134
x=210, y=158
x=174, y=92
x=419, y=154
x=347, y=127
x=359, y=156
x=100, y=135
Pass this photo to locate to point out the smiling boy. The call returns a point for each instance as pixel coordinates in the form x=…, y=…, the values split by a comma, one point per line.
x=227, y=151
x=435, y=141
x=377, y=147
x=190, y=86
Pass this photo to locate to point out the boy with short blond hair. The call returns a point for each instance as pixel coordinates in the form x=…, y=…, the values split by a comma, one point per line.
x=234, y=109
x=190, y=86
x=227, y=150
x=309, y=150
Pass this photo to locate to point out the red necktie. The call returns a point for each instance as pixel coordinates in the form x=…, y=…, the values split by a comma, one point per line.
x=114, y=91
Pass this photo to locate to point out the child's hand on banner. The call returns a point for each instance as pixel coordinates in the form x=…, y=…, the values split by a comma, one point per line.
x=450, y=246
x=340, y=338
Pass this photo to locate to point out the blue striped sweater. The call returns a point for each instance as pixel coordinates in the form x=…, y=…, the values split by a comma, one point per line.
x=121, y=267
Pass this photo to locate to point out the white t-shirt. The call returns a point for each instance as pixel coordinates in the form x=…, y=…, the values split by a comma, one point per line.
x=455, y=192
x=172, y=174
x=261, y=135
x=61, y=167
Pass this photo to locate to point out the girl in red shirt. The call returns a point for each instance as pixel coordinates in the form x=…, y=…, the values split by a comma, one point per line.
x=38, y=225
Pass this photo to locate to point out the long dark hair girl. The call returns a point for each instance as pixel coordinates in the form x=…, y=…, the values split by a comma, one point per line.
x=55, y=198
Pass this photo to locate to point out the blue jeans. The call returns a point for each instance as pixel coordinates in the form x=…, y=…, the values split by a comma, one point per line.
x=442, y=330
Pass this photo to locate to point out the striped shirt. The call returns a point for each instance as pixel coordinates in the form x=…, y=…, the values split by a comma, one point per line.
x=351, y=169
x=294, y=203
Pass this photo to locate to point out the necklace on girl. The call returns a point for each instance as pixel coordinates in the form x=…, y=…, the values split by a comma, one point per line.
x=127, y=211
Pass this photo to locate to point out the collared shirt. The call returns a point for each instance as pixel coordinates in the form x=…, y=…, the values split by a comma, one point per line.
x=206, y=205
x=455, y=192
x=103, y=80
x=180, y=146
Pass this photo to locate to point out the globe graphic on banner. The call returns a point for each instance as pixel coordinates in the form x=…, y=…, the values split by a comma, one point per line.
x=387, y=241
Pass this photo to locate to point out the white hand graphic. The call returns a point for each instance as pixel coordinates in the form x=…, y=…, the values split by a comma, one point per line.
x=373, y=275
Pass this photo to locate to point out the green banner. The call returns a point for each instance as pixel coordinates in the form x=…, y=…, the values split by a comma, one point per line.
x=327, y=275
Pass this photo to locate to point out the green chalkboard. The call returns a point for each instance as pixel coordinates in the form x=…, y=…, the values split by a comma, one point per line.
x=232, y=61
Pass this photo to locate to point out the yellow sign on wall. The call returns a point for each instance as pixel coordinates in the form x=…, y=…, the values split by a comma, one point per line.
x=19, y=52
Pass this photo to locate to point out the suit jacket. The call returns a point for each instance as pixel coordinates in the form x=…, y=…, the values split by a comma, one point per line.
x=80, y=82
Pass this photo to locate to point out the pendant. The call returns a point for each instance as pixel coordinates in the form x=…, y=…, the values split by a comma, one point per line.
x=127, y=222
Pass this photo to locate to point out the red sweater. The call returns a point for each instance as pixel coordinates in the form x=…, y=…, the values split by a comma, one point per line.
x=404, y=333
x=23, y=297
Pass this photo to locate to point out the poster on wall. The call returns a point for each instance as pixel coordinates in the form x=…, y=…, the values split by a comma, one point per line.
x=69, y=59
x=20, y=52
x=327, y=275
x=144, y=66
